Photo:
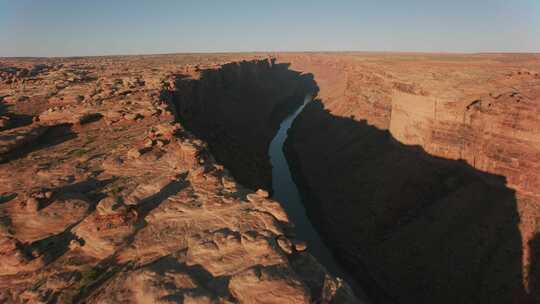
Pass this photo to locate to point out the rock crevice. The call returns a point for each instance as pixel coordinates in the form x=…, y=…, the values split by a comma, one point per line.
x=237, y=108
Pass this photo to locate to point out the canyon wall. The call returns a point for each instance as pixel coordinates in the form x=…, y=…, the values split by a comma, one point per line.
x=106, y=198
x=421, y=172
x=237, y=109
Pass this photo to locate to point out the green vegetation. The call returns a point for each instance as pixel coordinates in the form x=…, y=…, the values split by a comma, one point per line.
x=78, y=152
x=115, y=191
x=89, y=275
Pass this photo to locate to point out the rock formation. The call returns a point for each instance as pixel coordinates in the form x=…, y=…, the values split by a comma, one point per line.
x=421, y=172
x=237, y=109
x=106, y=198
x=118, y=178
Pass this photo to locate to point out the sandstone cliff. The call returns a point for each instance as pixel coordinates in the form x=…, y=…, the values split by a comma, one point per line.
x=237, y=108
x=422, y=171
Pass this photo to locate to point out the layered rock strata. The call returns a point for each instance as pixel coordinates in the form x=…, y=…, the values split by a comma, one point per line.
x=421, y=172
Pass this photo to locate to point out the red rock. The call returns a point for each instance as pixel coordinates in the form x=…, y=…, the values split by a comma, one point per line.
x=134, y=153
x=32, y=204
x=300, y=245
x=285, y=244
x=407, y=151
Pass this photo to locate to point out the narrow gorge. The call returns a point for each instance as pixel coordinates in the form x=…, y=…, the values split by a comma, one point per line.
x=110, y=191
x=408, y=178
x=244, y=110
x=419, y=184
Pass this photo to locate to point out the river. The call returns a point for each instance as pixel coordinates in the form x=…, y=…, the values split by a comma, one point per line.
x=286, y=192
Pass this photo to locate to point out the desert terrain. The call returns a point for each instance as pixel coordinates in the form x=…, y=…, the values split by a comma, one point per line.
x=146, y=179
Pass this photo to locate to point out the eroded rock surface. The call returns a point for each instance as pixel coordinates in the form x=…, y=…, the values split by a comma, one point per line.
x=105, y=198
x=420, y=172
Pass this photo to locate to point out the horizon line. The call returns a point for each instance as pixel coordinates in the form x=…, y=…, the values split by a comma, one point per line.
x=277, y=52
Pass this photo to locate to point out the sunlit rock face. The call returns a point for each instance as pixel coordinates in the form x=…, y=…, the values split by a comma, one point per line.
x=107, y=197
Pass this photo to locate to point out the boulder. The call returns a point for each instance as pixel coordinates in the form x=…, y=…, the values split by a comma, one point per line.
x=285, y=244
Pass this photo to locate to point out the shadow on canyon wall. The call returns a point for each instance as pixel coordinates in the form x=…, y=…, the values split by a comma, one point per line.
x=534, y=269
x=411, y=227
x=237, y=110
x=3, y=107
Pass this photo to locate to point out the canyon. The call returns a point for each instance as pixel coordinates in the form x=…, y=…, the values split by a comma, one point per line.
x=421, y=171
x=147, y=178
x=107, y=197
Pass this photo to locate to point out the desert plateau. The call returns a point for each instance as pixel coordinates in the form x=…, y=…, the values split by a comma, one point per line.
x=270, y=152
x=148, y=178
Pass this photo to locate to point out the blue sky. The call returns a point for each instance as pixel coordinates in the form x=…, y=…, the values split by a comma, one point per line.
x=99, y=27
